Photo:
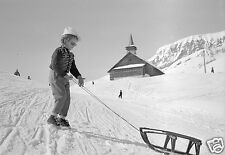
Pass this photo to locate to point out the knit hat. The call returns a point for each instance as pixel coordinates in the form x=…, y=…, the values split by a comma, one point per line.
x=69, y=30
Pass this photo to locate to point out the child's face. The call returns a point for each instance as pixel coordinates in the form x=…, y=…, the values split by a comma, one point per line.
x=71, y=43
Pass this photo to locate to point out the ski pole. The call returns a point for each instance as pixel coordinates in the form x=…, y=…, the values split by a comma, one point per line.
x=100, y=101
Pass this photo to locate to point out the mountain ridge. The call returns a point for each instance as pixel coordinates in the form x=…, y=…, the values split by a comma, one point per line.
x=167, y=55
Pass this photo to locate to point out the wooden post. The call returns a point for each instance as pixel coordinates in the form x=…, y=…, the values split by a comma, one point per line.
x=204, y=60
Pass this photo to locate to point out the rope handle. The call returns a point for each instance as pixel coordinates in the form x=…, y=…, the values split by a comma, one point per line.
x=100, y=101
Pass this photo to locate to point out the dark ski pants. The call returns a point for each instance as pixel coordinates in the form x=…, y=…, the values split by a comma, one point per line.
x=61, y=92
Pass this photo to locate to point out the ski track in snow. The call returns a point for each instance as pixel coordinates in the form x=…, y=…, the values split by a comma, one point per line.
x=95, y=130
x=21, y=113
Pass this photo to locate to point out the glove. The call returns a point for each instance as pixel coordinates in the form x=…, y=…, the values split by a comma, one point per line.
x=80, y=81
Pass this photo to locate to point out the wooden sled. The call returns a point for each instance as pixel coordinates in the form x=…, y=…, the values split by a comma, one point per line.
x=172, y=138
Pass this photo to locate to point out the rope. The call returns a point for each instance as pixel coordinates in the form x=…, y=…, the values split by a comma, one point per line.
x=100, y=101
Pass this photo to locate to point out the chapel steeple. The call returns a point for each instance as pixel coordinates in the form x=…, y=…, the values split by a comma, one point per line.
x=131, y=47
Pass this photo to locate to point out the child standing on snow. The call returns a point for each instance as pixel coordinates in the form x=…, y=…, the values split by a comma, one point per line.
x=62, y=62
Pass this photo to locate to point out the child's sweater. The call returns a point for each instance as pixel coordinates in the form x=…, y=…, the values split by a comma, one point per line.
x=63, y=62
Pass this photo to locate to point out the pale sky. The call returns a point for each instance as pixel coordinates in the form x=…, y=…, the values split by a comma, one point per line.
x=30, y=30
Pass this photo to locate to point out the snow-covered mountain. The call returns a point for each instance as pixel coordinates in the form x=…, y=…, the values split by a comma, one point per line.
x=187, y=49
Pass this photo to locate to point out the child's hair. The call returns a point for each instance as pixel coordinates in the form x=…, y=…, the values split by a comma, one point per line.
x=68, y=37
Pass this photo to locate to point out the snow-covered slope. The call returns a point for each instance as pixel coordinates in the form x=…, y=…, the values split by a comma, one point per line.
x=188, y=103
x=25, y=107
x=191, y=104
x=189, y=48
x=195, y=64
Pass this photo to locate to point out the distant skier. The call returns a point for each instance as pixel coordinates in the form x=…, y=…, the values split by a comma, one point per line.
x=93, y=82
x=28, y=78
x=212, y=70
x=17, y=73
x=62, y=62
x=120, y=94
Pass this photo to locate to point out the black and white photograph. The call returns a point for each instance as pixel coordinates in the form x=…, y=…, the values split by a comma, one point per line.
x=112, y=77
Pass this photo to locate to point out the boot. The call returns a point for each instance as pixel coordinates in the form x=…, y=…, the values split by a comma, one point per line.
x=63, y=122
x=53, y=120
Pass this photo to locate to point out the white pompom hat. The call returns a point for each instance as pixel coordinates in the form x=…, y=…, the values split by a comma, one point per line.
x=69, y=30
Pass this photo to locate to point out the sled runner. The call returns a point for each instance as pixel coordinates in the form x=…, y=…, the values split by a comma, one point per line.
x=171, y=137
